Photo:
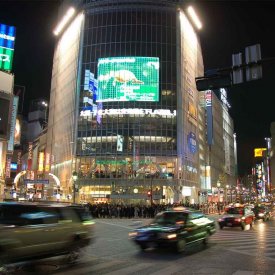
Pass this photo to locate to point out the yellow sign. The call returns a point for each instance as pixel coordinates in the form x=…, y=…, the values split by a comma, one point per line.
x=258, y=152
x=41, y=162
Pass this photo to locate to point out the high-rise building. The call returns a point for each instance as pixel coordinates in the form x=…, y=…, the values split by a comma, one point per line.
x=124, y=111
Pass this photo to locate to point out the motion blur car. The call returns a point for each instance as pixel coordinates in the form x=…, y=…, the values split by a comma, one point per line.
x=262, y=212
x=35, y=230
x=237, y=216
x=174, y=228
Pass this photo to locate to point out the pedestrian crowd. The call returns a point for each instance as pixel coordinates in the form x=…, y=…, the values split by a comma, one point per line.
x=107, y=210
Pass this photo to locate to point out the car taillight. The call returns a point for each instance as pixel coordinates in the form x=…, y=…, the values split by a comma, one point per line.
x=237, y=220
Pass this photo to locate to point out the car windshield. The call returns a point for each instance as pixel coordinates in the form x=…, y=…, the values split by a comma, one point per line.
x=235, y=210
x=170, y=218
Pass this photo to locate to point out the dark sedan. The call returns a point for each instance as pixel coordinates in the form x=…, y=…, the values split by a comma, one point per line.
x=262, y=212
x=174, y=228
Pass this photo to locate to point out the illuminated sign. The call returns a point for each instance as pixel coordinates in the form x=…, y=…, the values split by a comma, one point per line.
x=38, y=181
x=8, y=167
x=128, y=79
x=41, y=161
x=30, y=154
x=208, y=98
x=13, y=166
x=258, y=152
x=7, y=39
x=47, y=162
x=134, y=111
x=119, y=146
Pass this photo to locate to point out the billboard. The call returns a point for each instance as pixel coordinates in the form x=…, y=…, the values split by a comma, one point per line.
x=7, y=38
x=128, y=79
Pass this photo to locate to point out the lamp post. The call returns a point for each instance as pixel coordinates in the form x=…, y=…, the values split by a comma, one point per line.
x=74, y=186
x=227, y=187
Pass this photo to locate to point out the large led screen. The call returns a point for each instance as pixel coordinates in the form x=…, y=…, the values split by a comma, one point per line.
x=7, y=38
x=128, y=79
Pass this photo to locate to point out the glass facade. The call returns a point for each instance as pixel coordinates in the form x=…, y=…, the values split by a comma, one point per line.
x=149, y=132
x=123, y=143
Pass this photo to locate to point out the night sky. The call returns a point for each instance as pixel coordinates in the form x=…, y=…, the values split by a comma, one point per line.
x=228, y=27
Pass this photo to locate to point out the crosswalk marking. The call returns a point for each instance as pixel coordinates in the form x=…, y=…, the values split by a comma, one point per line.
x=247, y=242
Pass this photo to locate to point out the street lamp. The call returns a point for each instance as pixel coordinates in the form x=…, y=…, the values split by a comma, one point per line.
x=227, y=187
x=74, y=186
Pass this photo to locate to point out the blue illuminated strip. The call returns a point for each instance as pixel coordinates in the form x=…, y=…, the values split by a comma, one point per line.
x=7, y=36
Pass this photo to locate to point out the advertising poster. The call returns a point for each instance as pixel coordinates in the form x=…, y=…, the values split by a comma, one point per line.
x=128, y=79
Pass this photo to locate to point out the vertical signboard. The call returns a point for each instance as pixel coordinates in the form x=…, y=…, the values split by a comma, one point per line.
x=7, y=39
x=47, y=162
x=13, y=122
x=29, y=168
x=259, y=179
x=8, y=167
x=19, y=161
x=41, y=161
x=208, y=105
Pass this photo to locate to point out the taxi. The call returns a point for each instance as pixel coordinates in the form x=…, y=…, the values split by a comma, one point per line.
x=237, y=216
x=174, y=228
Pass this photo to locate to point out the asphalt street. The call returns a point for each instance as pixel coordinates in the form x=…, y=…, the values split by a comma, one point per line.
x=230, y=251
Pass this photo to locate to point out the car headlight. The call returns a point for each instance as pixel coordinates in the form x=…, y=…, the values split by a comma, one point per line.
x=261, y=214
x=133, y=234
x=168, y=235
x=171, y=236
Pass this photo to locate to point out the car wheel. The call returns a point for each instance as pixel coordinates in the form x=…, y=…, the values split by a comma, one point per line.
x=206, y=239
x=72, y=256
x=180, y=246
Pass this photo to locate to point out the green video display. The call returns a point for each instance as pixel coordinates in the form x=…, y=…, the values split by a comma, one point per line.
x=128, y=79
x=6, y=57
